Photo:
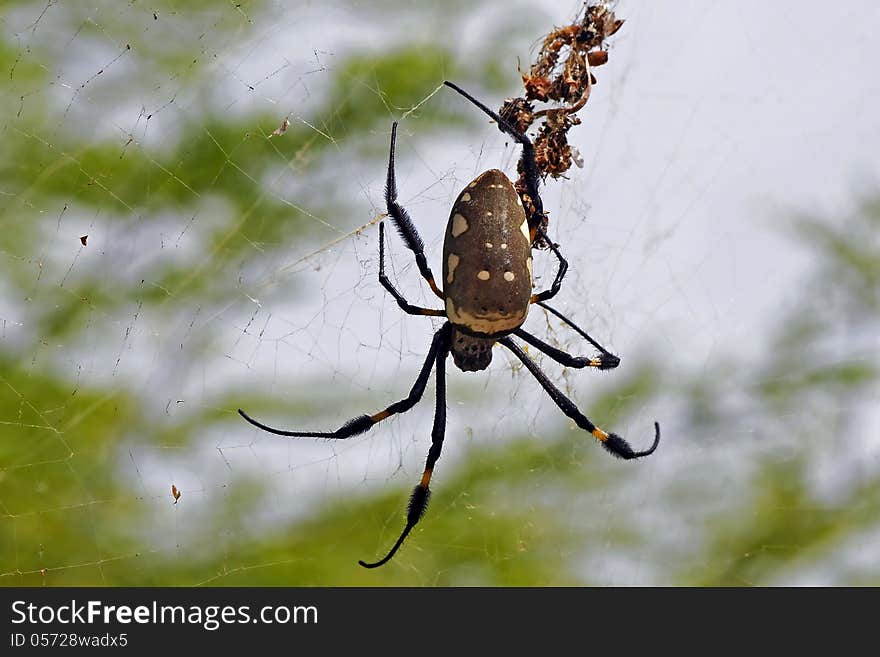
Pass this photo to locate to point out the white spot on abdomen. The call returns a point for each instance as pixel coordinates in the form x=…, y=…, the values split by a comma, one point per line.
x=524, y=228
x=483, y=275
x=509, y=276
x=452, y=263
x=459, y=225
x=465, y=197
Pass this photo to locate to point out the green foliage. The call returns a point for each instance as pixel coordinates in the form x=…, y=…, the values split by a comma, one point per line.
x=731, y=497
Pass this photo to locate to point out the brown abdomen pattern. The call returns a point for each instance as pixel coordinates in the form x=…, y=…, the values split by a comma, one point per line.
x=487, y=263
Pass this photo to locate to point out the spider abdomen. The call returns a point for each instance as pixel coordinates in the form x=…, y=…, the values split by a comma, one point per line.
x=487, y=263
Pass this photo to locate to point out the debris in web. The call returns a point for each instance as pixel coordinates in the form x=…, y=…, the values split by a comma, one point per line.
x=280, y=130
x=562, y=74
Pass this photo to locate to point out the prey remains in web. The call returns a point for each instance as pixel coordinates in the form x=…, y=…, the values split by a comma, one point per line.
x=486, y=291
x=561, y=76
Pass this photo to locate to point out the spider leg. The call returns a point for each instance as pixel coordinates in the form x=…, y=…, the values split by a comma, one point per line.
x=560, y=272
x=388, y=285
x=610, y=359
x=402, y=220
x=529, y=166
x=363, y=423
x=606, y=361
x=418, y=501
x=610, y=441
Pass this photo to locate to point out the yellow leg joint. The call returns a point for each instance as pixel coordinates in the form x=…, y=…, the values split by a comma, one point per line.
x=426, y=478
x=600, y=435
x=435, y=288
x=378, y=417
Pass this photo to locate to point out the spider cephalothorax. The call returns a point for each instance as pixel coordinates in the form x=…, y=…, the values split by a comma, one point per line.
x=469, y=353
x=487, y=291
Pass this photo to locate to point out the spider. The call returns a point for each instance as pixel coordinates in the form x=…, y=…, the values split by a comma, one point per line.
x=487, y=291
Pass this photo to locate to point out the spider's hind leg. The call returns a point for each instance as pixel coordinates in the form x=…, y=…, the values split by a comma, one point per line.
x=405, y=305
x=402, y=220
x=527, y=161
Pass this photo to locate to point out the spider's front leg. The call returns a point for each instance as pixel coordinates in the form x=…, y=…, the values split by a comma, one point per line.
x=418, y=501
x=363, y=423
x=605, y=361
x=610, y=441
x=609, y=361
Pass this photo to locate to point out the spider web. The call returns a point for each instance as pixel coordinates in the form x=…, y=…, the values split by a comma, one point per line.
x=190, y=201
